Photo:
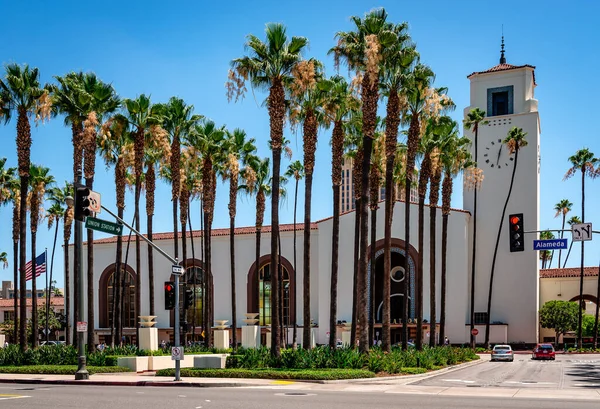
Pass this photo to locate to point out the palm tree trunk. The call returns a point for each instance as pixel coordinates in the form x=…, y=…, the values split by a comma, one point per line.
x=295, y=333
x=567, y=256
x=23, y=150
x=423, y=181
x=562, y=233
x=355, y=278
x=597, y=310
x=183, y=207
x=474, y=249
x=125, y=276
x=335, y=245
x=49, y=289
x=34, y=321
x=90, y=280
x=432, y=273
x=116, y=310
x=551, y=257
x=281, y=306
x=372, y=272
x=489, y=303
x=444, y=268
x=233, y=293
x=76, y=295
x=306, y=328
x=67, y=293
x=150, y=197
x=16, y=288
x=195, y=275
x=580, y=318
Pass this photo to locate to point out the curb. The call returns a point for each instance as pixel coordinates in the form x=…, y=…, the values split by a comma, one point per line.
x=128, y=383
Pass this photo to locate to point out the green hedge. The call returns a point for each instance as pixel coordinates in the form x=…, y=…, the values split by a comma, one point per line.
x=305, y=374
x=59, y=369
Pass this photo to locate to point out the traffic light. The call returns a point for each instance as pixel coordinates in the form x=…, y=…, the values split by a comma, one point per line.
x=188, y=299
x=515, y=235
x=82, y=203
x=169, y=295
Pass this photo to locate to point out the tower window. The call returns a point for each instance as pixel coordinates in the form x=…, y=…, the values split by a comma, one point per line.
x=500, y=101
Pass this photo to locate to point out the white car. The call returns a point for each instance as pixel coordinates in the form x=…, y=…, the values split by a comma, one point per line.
x=502, y=353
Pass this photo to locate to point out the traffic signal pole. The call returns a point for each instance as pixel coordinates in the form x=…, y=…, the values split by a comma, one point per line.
x=176, y=329
x=82, y=372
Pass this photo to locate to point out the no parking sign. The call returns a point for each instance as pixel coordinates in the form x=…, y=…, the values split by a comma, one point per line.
x=176, y=353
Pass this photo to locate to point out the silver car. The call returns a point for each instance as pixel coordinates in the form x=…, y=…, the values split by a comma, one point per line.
x=502, y=353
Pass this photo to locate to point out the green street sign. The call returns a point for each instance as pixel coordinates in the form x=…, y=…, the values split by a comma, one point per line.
x=103, y=226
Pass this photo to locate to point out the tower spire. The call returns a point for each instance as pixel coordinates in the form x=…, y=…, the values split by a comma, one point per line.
x=502, y=58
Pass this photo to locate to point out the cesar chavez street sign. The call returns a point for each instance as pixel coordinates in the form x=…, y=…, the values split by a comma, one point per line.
x=103, y=226
x=554, y=244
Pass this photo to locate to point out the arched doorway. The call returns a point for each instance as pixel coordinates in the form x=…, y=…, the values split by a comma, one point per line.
x=106, y=295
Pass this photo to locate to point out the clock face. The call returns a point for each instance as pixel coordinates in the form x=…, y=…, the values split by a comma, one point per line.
x=497, y=156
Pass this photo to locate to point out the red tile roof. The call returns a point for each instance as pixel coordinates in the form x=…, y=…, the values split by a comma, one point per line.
x=215, y=232
x=568, y=272
x=55, y=301
x=504, y=67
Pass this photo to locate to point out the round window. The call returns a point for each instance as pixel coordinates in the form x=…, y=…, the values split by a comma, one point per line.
x=397, y=274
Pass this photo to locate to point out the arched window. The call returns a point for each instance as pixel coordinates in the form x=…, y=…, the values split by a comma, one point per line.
x=128, y=302
x=264, y=295
x=193, y=280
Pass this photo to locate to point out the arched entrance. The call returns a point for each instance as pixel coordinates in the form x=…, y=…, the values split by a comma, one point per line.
x=106, y=295
x=397, y=277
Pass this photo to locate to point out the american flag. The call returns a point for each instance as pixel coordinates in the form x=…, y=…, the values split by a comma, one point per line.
x=40, y=267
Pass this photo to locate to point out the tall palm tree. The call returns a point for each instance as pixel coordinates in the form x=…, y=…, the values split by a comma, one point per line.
x=9, y=191
x=308, y=97
x=573, y=220
x=475, y=118
x=362, y=50
x=269, y=66
x=239, y=148
x=340, y=103
x=178, y=119
x=455, y=158
x=563, y=207
x=54, y=214
x=142, y=117
x=514, y=141
x=399, y=58
x=39, y=180
x=4, y=259
x=67, y=223
x=296, y=170
x=22, y=94
x=585, y=162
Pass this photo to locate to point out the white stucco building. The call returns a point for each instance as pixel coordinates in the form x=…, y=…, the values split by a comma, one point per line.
x=506, y=93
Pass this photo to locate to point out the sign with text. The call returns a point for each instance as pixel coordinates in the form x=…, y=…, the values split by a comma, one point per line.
x=581, y=231
x=81, y=326
x=554, y=244
x=177, y=269
x=103, y=226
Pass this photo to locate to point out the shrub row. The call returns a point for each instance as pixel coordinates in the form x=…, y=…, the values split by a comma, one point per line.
x=346, y=358
x=272, y=373
x=59, y=369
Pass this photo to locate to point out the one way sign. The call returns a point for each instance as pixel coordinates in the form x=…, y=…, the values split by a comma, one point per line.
x=582, y=231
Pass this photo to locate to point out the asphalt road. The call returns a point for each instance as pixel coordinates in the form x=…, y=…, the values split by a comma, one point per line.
x=103, y=397
x=567, y=371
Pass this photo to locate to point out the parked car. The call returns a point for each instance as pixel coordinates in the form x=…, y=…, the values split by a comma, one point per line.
x=502, y=353
x=543, y=351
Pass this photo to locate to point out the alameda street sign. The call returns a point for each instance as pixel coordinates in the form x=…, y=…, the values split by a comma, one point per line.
x=554, y=244
x=103, y=226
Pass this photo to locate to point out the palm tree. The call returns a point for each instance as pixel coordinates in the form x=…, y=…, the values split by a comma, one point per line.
x=39, y=180
x=397, y=63
x=143, y=118
x=362, y=50
x=296, y=171
x=21, y=93
x=340, y=103
x=239, y=149
x=474, y=118
x=573, y=220
x=308, y=97
x=454, y=159
x=269, y=66
x=514, y=141
x=563, y=207
x=4, y=259
x=178, y=119
x=585, y=162
x=54, y=214
x=545, y=254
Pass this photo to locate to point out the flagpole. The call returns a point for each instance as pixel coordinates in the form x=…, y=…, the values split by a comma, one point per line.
x=47, y=295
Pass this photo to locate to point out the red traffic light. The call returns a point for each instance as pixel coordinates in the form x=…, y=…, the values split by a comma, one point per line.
x=514, y=220
x=168, y=287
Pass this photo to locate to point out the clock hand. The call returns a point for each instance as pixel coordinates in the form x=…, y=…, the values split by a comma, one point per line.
x=499, y=152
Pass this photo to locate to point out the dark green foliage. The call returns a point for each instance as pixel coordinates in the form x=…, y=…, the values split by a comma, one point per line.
x=307, y=374
x=59, y=369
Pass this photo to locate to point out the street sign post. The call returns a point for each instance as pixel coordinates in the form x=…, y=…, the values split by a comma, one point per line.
x=177, y=354
x=581, y=231
x=103, y=226
x=554, y=244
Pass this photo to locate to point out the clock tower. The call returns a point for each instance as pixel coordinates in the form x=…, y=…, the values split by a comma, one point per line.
x=506, y=93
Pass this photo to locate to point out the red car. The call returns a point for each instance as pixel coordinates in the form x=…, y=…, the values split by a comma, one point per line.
x=543, y=351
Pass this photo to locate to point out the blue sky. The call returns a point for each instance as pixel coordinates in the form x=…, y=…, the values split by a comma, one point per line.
x=183, y=48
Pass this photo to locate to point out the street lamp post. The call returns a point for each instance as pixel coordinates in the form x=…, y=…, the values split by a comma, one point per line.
x=82, y=372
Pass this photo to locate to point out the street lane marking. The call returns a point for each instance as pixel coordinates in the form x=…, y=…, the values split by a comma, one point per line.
x=282, y=383
x=5, y=396
x=457, y=380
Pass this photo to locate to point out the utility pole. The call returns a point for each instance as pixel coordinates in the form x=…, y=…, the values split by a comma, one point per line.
x=82, y=372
